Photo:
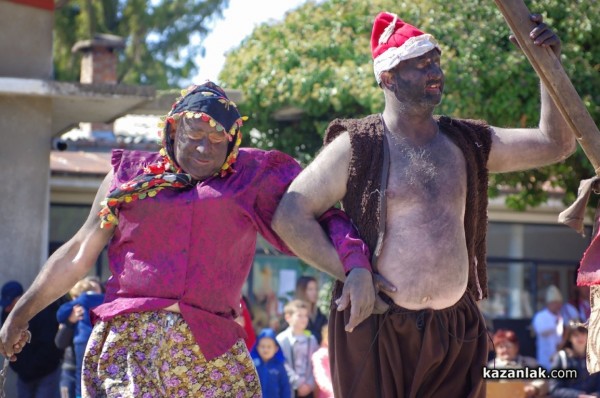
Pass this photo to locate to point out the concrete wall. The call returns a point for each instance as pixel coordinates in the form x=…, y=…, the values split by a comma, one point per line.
x=24, y=133
x=25, y=41
x=25, y=125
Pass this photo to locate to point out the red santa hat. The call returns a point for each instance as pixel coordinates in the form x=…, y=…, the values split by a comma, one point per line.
x=393, y=41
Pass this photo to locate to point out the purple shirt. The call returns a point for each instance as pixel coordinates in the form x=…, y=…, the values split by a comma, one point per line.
x=196, y=247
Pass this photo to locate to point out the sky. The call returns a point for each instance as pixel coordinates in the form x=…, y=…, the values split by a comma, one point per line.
x=239, y=20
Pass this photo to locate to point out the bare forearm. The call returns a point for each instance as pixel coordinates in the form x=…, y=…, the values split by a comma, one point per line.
x=305, y=237
x=554, y=126
x=62, y=270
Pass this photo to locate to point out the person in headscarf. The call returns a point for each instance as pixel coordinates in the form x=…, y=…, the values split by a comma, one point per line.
x=181, y=227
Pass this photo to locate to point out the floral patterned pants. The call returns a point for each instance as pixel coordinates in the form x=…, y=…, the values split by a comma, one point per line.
x=154, y=354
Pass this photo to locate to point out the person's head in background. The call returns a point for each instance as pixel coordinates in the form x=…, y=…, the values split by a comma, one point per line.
x=11, y=292
x=506, y=344
x=266, y=347
x=88, y=284
x=574, y=339
x=296, y=315
x=554, y=299
x=307, y=290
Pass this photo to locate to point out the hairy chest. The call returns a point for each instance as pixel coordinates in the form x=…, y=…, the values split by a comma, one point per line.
x=431, y=173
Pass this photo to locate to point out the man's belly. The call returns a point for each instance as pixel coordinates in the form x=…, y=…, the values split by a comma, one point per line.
x=427, y=274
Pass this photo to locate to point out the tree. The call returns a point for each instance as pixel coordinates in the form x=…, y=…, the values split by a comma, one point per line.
x=162, y=37
x=318, y=60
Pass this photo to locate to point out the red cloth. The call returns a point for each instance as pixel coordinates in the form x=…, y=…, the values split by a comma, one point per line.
x=45, y=4
x=250, y=333
x=589, y=269
x=401, y=32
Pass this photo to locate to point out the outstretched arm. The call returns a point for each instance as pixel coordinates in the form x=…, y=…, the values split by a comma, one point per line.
x=551, y=142
x=64, y=268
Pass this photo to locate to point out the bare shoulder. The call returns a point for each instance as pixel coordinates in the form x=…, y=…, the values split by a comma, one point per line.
x=338, y=150
x=91, y=227
x=331, y=163
x=340, y=145
x=324, y=179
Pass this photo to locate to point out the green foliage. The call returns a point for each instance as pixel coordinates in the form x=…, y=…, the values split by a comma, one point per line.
x=157, y=34
x=324, y=297
x=318, y=60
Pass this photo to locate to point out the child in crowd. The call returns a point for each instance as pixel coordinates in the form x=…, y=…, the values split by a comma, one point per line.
x=321, y=369
x=298, y=346
x=270, y=366
x=86, y=294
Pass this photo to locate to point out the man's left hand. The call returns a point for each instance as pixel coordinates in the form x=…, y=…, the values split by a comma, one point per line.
x=542, y=35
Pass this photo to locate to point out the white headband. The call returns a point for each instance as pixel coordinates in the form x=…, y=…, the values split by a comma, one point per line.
x=412, y=48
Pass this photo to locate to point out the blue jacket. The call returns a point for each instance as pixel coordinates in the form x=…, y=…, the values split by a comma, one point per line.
x=83, y=328
x=272, y=374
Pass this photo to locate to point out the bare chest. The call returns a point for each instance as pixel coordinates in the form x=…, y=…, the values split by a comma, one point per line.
x=434, y=173
x=424, y=252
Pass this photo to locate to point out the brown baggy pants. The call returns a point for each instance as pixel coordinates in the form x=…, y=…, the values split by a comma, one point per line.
x=406, y=353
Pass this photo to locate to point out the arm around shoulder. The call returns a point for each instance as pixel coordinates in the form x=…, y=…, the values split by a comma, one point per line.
x=318, y=187
x=315, y=190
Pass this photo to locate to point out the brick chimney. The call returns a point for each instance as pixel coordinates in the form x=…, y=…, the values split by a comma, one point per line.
x=99, y=66
x=99, y=60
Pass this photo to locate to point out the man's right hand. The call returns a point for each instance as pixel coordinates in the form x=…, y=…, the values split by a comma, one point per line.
x=360, y=293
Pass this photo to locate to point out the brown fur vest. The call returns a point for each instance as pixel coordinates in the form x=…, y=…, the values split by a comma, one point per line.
x=362, y=198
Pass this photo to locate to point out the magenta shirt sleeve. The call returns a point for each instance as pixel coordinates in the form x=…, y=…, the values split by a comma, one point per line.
x=353, y=252
x=280, y=170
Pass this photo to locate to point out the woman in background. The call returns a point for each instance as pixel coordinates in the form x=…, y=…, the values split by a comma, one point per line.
x=307, y=290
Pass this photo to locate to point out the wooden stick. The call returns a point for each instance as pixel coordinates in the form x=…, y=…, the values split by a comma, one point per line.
x=554, y=78
x=571, y=107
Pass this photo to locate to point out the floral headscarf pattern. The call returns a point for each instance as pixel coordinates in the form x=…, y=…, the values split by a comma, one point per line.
x=207, y=102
